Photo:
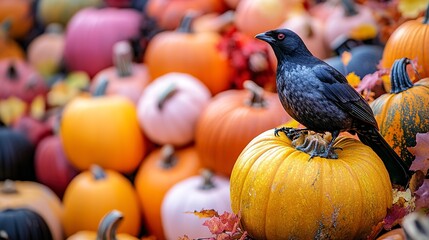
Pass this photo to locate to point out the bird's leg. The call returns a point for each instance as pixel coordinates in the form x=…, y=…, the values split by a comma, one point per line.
x=290, y=132
x=330, y=151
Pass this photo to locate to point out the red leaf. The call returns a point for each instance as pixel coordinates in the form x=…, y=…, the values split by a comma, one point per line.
x=421, y=151
x=214, y=225
x=230, y=221
x=394, y=216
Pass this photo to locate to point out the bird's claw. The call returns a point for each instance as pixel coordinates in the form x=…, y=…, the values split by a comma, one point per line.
x=290, y=132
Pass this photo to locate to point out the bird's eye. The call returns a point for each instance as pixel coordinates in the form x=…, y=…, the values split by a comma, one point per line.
x=280, y=36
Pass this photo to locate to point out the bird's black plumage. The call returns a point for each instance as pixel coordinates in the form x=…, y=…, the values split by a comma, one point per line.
x=319, y=97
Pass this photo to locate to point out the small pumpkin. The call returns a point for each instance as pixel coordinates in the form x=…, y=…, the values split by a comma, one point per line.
x=168, y=14
x=61, y=11
x=52, y=167
x=16, y=156
x=102, y=130
x=230, y=120
x=9, y=48
x=106, y=229
x=160, y=170
x=403, y=112
x=94, y=193
x=19, y=13
x=125, y=77
x=282, y=192
x=189, y=195
x=18, y=78
x=89, y=37
x=411, y=40
x=23, y=224
x=34, y=196
x=170, y=106
x=196, y=54
x=46, y=52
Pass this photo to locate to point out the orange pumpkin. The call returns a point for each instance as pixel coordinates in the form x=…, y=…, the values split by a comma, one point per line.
x=8, y=47
x=125, y=78
x=411, y=40
x=192, y=53
x=231, y=120
x=37, y=197
x=106, y=229
x=102, y=130
x=20, y=15
x=160, y=170
x=169, y=13
x=92, y=194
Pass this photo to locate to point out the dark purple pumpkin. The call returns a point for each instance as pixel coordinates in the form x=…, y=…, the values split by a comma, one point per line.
x=23, y=224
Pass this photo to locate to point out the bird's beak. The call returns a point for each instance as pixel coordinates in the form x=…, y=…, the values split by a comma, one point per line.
x=264, y=37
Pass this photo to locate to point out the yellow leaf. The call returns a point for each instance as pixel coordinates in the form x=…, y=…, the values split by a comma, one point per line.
x=37, y=107
x=363, y=32
x=353, y=79
x=412, y=8
x=346, y=57
x=11, y=109
x=78, y=79
x=61, y=93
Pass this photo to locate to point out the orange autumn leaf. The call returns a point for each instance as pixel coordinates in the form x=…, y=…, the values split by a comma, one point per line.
x=346, y=57
x=205, y=213
x=353, y=79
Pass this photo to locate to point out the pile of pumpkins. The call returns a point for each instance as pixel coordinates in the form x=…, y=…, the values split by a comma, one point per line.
x=120, y=118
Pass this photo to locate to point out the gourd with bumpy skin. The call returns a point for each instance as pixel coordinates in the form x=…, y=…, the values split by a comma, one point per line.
x=403, y=112
x=281, y=192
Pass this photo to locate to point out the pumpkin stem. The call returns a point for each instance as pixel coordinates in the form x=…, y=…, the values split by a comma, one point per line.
x=123, y=58
x=185, y=25
x=12, y=73
x=54, y=28
x=207, y=176
x=257, y=95
x=399, y=78
x=426, y=18
x=98, y=172
x=5, y=28
x=108, y=225
x=314, y=144
x=100, y=89
x=168, y=157
x=349, y=8
x=166, y=95
x=9, y=187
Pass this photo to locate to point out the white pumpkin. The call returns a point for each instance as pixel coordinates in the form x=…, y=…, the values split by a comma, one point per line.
x=189, y=195
x=170, y=106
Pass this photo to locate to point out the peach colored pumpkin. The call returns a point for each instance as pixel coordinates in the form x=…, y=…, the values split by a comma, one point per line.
x=170, y=107
x=37, y=197
x=125, y=77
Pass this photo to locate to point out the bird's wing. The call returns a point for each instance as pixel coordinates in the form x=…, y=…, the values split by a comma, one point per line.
x=337, y=89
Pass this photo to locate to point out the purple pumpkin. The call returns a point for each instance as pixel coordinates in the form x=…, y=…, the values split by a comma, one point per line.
x=91, y=34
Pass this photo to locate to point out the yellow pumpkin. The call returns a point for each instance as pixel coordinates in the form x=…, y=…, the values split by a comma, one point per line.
x=282, y=193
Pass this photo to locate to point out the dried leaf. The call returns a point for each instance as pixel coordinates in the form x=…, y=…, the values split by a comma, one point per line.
x=416, y=181
x=215, y=225
x=363, y=32
x=353, y=79
x=346, y=57
x=205, y=213
x=230, y=221
x=38, y=107
x=422, y=196
x=421, y=151
x=12, y=109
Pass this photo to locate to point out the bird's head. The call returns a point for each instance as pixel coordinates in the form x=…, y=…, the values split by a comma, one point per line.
x=285, y=43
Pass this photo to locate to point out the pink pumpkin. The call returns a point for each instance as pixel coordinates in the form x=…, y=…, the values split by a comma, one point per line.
x=91, y=34
x=52, y=166
x=311, y=30
x=347, y=18
x=125, y=78
x=170, y=106
x=19, y=79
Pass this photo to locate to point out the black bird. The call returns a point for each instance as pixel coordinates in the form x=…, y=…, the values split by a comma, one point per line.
x=319, y=97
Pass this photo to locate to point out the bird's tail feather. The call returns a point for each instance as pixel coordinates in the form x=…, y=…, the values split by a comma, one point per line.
x=397, y=168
